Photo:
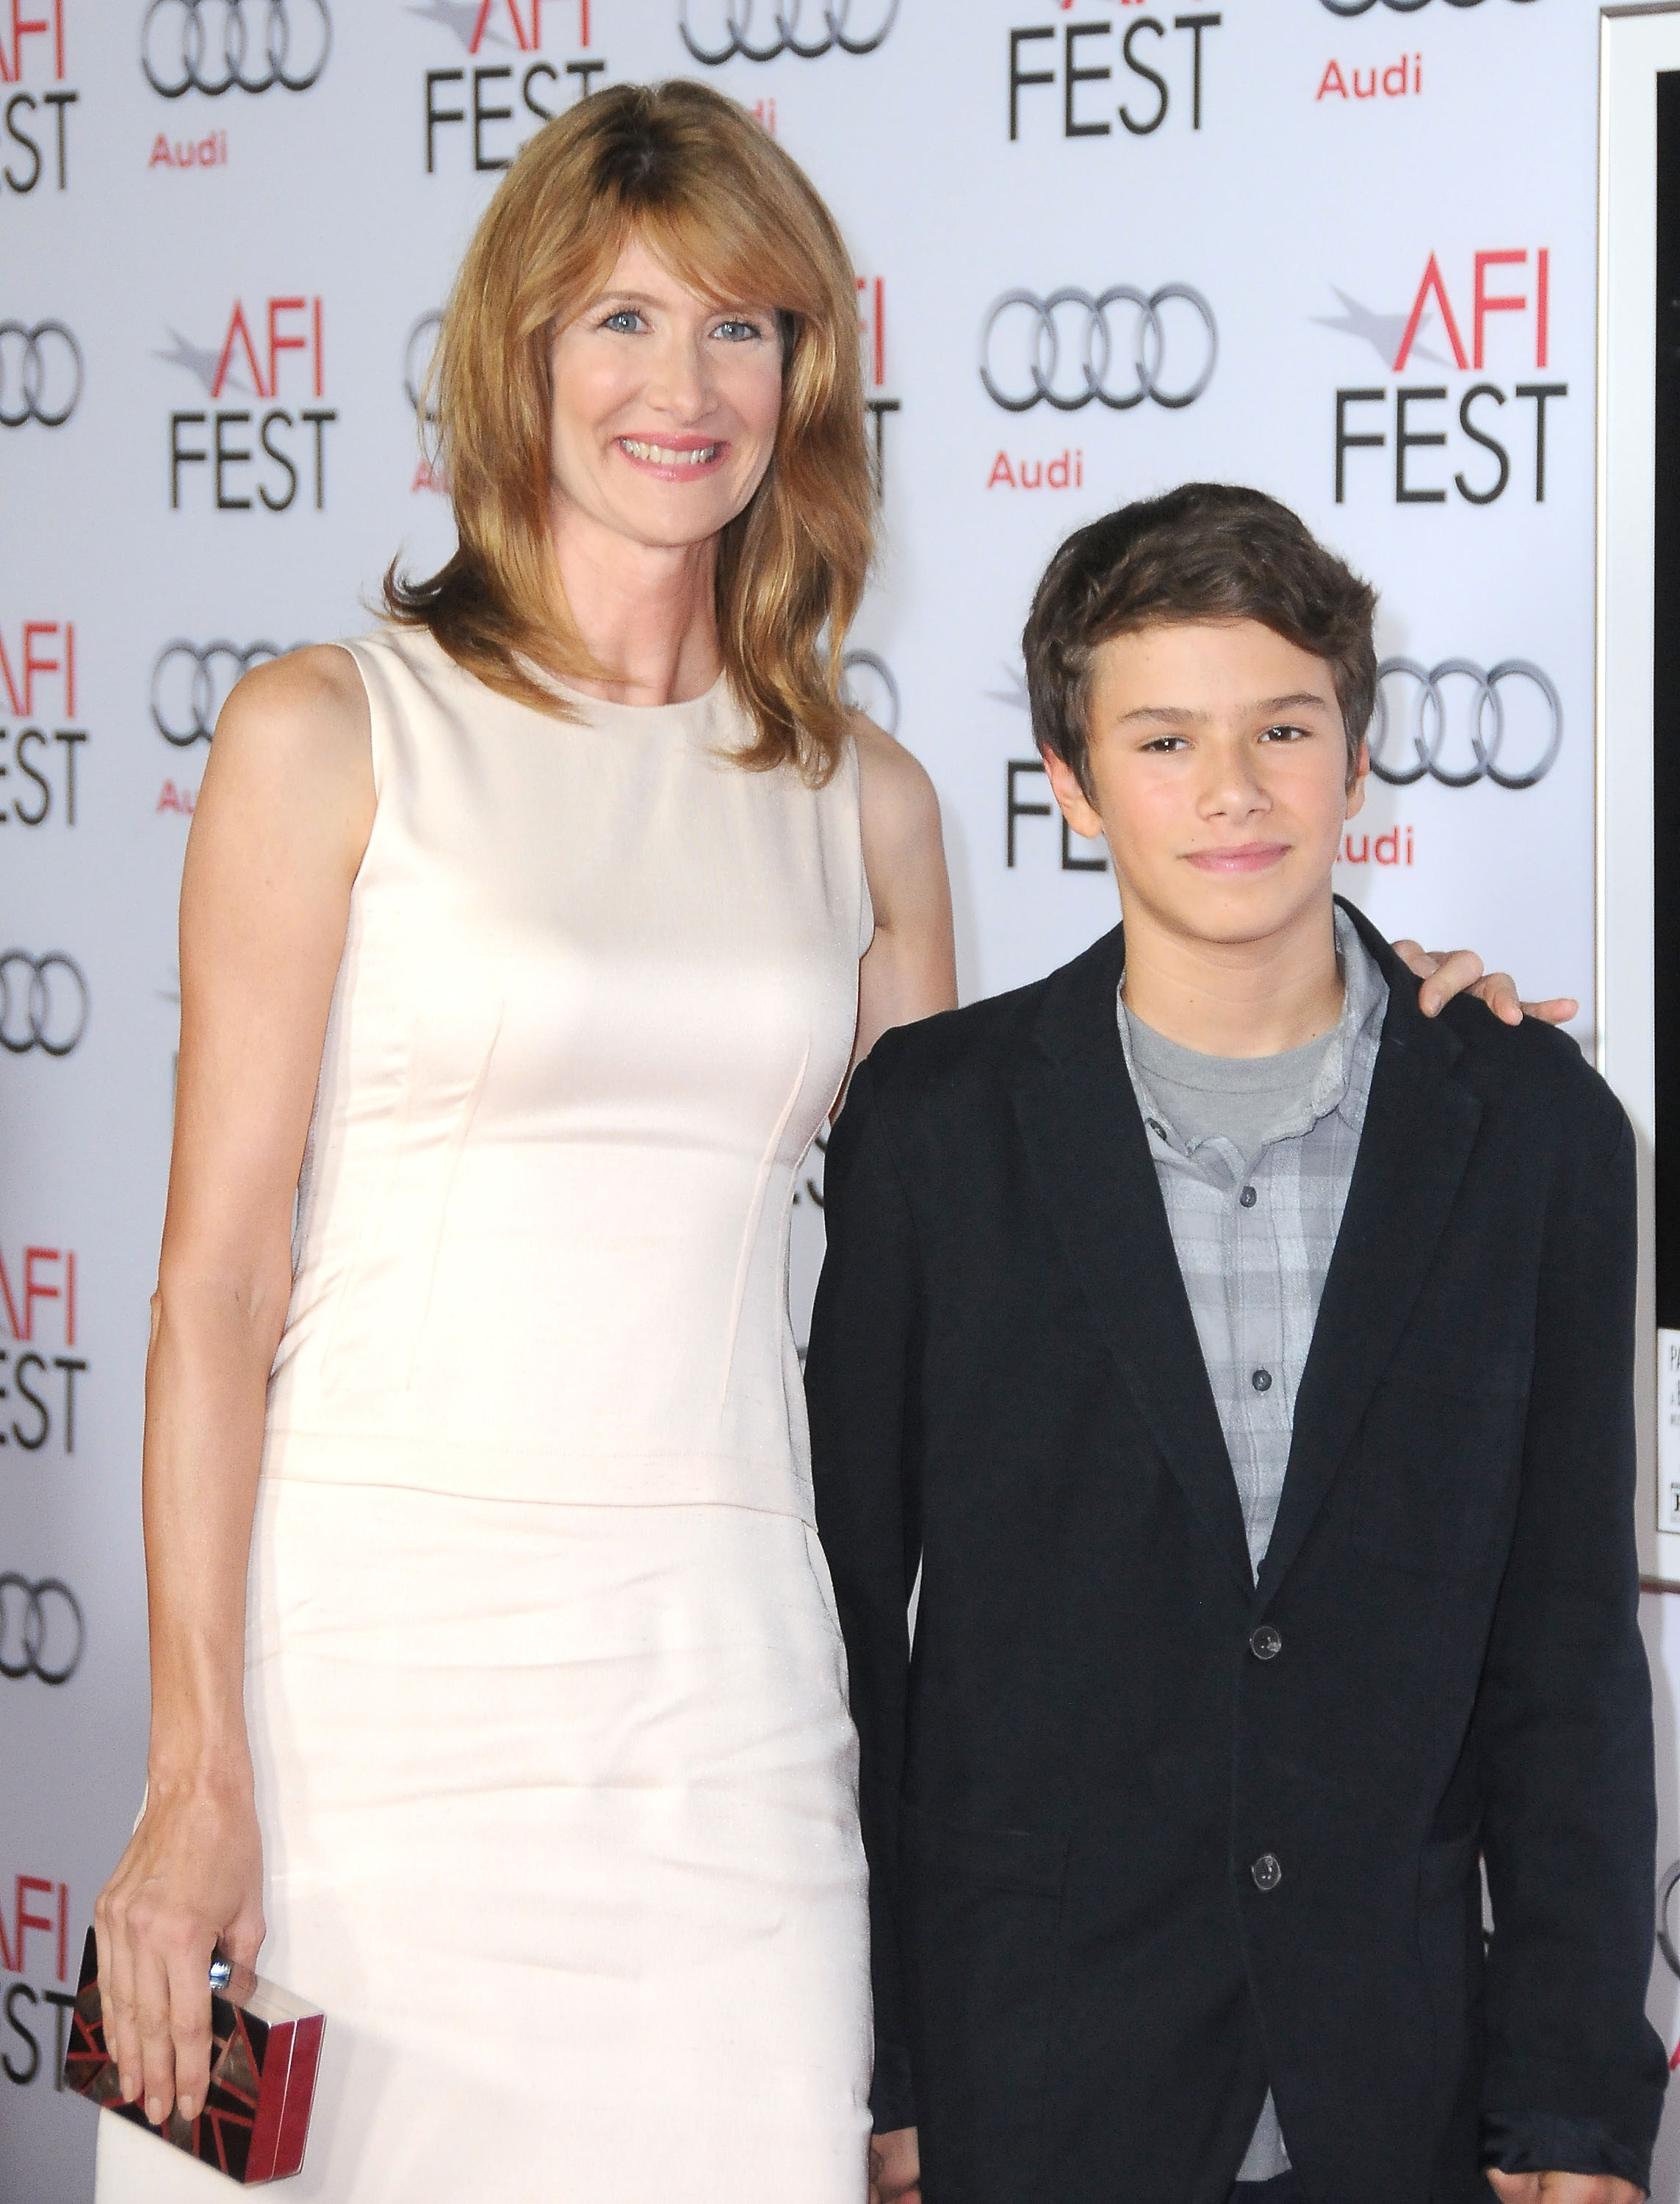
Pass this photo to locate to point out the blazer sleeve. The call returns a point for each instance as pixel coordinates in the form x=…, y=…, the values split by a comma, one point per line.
x=862, y=1387
x=1564, y=1720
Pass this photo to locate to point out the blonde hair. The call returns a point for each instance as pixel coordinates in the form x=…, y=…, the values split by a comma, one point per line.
x=687, y=173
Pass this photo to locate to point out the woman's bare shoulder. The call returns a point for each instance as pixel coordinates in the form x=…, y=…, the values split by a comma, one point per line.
x=895, y=793
x=314, y=690
x=294, y=750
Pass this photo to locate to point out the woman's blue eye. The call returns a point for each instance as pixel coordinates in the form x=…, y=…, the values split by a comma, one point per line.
x=625, y=319
x=736, y=330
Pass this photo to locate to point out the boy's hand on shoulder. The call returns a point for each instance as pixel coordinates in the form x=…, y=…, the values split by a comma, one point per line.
x=1562, y=2189
x=894, y=2168
x=1449, y=972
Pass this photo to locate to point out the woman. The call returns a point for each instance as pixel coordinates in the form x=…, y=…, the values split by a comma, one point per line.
x=527, y=943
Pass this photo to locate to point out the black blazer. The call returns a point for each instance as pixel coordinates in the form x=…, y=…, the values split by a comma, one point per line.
x=1082, y=1985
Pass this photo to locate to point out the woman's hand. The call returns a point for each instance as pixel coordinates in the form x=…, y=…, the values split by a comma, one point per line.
x=894, y=2168
x=1449, y=972
x=191, y=1877
x=1562, y=2189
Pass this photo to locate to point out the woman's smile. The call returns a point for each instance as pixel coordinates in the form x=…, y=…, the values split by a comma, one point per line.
x=674, y=457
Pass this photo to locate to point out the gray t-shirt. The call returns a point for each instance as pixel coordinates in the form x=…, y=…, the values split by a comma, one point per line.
x=1245, y=1097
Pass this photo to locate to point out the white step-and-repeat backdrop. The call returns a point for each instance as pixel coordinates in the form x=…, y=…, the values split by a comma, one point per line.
x=1341, y=248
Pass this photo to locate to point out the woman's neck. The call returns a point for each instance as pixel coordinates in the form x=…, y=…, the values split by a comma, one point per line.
x=647, y=614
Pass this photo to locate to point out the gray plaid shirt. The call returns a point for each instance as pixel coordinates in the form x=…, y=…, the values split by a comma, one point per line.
x=1254, y=1242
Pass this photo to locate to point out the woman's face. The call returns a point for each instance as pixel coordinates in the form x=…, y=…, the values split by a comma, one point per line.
x=664, y=406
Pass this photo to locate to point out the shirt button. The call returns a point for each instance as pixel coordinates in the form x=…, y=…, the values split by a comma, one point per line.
x=1157, y=1127
x=1267, y=1643
x=1266, y=1871
x=1261, y=1381
x=1248, y=1197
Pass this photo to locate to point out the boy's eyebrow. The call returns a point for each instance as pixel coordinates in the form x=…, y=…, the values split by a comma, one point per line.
x=1172, y=714
x=1182, y=715
x=1292, y=703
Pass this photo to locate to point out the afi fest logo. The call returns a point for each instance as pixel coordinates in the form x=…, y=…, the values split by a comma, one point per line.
x=34, y=1939
x=38, y=740
x=1499, y=302
x=1063, y=78
x=718, y=31
x=254, y=460
x=40, y=1367
x=36, y=147
x=472, y=117
x=41, y=374
x=1459, y=723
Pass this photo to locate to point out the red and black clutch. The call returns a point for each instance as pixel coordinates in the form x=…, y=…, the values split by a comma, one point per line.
x=265, y=2047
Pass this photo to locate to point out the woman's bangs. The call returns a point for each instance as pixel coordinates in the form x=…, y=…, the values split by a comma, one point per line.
x=718, y=251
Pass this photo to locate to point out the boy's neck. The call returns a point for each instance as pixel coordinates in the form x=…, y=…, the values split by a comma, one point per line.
x=1235, y=998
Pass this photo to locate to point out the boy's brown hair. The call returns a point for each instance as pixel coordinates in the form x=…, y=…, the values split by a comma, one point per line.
x=1205, y=551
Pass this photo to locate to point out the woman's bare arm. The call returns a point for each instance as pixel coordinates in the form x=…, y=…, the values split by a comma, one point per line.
x=909, y=970
x=282, y=824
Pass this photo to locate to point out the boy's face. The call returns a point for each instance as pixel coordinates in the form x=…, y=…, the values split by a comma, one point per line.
x=1220, y=766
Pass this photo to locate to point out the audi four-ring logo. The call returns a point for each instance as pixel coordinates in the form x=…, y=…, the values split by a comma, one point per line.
x=1665, y=1893
x=43, y=1003
x=1487, y=728
x=40, y=374
x=215, y=46
x=759, y=30
x=1064, y=348
x=1399, y=7
x=417, y=364
x=191, y=681
x=42, y=1632
x=866, y=683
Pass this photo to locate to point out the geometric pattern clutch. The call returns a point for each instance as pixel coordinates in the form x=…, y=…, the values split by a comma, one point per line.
x=265, y=2048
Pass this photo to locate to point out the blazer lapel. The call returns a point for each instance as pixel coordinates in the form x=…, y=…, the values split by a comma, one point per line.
x=1086, y=1141
x=1420, y=1127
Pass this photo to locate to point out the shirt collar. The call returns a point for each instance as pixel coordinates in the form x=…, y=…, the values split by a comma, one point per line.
x=1343, y=1080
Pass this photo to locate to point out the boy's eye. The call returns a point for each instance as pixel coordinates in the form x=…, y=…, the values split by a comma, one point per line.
x=1161, y=745
x=1286, y=734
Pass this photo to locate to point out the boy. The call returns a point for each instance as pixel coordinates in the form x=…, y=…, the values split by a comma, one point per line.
x=1245, y=1361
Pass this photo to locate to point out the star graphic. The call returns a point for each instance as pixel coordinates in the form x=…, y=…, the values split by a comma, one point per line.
x=1015, y=692
x=1382, y=332
x=461, y=16
x=198, y=362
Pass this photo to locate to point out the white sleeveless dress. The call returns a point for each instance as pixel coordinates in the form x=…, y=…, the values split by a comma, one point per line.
x=546, y=1687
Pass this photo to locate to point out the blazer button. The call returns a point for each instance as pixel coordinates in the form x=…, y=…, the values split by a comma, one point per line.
x=1267, y=1643
x=1266, y=1872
